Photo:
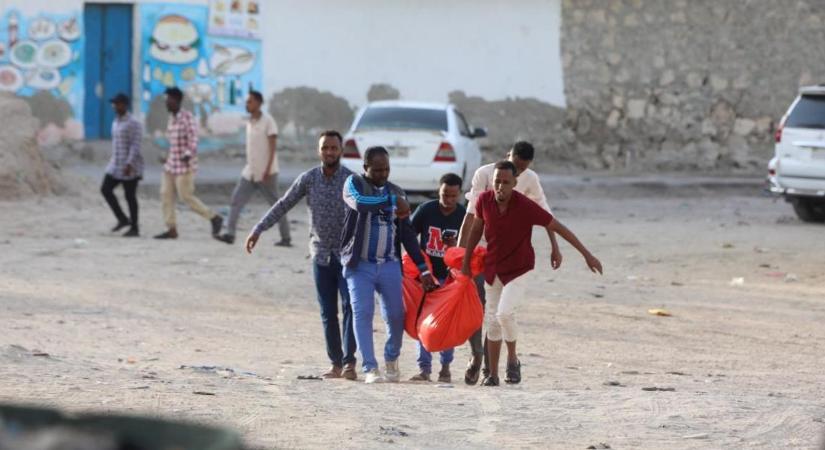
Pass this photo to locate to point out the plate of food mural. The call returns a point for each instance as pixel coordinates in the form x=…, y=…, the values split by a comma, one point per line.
x=10, y=79
x=41, y=29
x=69, y=30
x=54, y=54
x=231, y=60
x=44, y=79
x=24, y=54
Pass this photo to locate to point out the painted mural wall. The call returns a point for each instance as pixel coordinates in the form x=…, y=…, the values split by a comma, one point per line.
x=215, y=71
x=41, y=60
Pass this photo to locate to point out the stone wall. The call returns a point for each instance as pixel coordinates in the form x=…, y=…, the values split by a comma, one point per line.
x=680, y=84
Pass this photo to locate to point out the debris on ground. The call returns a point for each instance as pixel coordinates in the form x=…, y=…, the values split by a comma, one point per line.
x=659, y=312
x=309, y=377
x=613, y=383
x=656, y=388
x=737, y=281
x=599, y=446
x=392, y=431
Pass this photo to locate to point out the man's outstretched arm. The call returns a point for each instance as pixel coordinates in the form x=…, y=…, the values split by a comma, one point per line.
x=592, y=262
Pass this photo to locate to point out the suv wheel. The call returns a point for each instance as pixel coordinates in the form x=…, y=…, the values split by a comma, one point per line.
x=809, y=210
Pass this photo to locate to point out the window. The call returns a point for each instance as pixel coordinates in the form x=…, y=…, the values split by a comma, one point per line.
x=809, y=112
x=463, y=128
x=397, y=118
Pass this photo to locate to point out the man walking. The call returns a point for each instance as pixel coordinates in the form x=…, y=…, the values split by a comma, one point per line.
x=261, y=170
x=437, y=223
x=506, y=218
x=375, y=225
x=521, y=154
x=180, y=167
x=125, y=166
x=322, y=187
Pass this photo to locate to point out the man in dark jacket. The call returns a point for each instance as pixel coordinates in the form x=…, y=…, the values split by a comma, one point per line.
x=376, y=224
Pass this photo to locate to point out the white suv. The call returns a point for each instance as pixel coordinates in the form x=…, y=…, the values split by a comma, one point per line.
x=424, y=140
x=797, y=171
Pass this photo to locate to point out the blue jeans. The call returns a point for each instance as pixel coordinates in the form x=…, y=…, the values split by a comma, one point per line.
x=425, y=358
x=364, y=281
x=329, y=282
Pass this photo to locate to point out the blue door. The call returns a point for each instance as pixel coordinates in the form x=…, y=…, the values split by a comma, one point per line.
x=108, y=63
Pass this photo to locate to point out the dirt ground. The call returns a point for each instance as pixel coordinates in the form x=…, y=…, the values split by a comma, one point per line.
x=126, y=323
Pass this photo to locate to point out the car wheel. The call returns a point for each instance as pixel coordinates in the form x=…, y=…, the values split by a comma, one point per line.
x=809, y=210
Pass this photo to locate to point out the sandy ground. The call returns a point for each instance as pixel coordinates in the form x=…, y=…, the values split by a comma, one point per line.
x=119, y=318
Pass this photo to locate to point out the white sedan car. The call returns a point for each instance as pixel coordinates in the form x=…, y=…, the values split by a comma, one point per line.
x=424, y=141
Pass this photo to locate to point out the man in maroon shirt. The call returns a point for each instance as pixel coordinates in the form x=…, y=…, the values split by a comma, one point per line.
x=506, y=218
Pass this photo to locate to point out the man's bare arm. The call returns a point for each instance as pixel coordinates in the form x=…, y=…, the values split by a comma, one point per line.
x=592, y=262
x=464, y=232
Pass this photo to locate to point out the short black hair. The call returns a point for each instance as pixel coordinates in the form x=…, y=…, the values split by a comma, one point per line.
x=331, y=133
x=507, y=165
x=175, y=93
x=450, y=179
x=372, y=152
x=256, y=95
x=524, y=150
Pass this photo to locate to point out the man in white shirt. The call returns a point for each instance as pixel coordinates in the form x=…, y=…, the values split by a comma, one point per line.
x=527, y=183
x=261, y=170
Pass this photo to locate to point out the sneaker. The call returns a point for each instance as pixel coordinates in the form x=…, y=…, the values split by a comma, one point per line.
x=423, y=376
x=349, y=372
x=283, y=243
x=373, y=376
x=133, y=232
x=333, y=372
x=227, y=238
x=444, y=376
x=217, y=223
x=393, y=374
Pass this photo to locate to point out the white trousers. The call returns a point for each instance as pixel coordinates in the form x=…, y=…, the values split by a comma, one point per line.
x=499, y=314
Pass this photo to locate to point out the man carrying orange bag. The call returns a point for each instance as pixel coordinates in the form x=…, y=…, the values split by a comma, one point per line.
x=506, y=218
x=437, y=222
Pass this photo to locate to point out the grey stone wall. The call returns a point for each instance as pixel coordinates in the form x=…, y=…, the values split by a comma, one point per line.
x=699, y=84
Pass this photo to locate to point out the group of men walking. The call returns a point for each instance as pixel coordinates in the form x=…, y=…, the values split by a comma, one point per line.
x=359, y=223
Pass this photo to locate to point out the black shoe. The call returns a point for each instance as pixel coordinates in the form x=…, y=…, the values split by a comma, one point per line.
x=120, y=226
x=471, y=374
x=228, y=238
x=283, y=243
x=217, y=223
x=133, y=232
x=513, y=373
x=167, y=235
x=490, y=381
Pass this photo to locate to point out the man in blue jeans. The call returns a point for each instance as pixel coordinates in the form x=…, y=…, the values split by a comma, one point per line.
x=376, y=224
x=437, y=223
x=322, y=187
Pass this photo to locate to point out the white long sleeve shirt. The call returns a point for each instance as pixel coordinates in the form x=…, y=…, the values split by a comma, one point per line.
x=528, y=184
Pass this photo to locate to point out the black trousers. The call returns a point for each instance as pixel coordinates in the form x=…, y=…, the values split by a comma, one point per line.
x=476, y=341
x=130, y=189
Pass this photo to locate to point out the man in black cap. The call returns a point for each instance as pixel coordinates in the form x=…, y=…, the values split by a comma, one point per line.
x=126, y=165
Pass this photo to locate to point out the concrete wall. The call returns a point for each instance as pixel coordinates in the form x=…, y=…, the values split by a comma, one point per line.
x=683, y=84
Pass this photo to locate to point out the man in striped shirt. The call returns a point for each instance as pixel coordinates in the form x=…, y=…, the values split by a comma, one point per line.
x=376, y=224
x=126, y=165
x=180, y=167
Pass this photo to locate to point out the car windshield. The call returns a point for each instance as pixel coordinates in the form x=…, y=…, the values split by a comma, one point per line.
x=403, y=118
x=809, y=112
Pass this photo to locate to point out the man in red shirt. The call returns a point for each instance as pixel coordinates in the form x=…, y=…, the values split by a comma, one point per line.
x=506, y=218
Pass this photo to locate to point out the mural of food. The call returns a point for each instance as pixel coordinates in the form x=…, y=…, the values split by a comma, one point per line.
x=24, y=54
x=174, y=40
x=53, y=54
x=231, y=60
x=10, y=79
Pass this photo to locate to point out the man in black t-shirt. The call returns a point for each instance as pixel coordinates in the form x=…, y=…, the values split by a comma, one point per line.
x=437, y=223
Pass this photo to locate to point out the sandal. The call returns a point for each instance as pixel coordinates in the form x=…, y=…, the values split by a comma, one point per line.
x=471, y=374
x=513, y=373
x=490, y=381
